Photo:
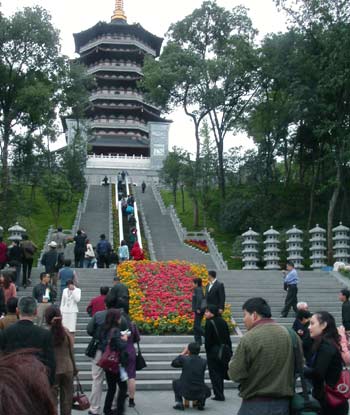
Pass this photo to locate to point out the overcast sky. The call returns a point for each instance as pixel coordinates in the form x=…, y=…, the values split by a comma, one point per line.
x=71, y=16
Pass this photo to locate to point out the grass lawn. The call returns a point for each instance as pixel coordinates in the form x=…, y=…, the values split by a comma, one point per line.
x=36, y=217
x=223, y=240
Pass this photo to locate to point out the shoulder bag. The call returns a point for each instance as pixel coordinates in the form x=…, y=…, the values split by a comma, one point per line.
x=304, y=402
x=338, y=394
x=92, y=348
x=110, y=358
x=140, y=361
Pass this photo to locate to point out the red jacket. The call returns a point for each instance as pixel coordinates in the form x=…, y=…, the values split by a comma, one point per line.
x=96, y=304
x=3, y=252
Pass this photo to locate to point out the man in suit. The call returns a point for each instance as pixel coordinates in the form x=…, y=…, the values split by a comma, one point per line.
x=25, y=335
x=191, y=384
x=215, y=292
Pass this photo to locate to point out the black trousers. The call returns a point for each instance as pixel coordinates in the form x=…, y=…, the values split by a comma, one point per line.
x=112, y=382
x=197, y=328
x=217, y=375
x=291, y=300
x=27, y=269
x=177, y=386
x=103, y=260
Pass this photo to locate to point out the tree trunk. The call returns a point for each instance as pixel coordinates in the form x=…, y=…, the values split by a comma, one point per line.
x=182, y=198
x=330, y=216
x=195, y=213
x=5, y=176
x=222, y=184
x=174, y=196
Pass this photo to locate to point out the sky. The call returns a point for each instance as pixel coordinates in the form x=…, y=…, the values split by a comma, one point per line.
x=71, y=16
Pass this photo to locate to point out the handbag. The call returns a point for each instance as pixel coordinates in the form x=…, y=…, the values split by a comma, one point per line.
x=110, y=359
x=80, y=400
x=339, y=393
x=224, y=352
x=140, y=361
x=304, y=402
x=92, y=348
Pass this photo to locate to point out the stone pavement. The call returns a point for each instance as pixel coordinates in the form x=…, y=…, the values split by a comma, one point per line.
x=161, y=403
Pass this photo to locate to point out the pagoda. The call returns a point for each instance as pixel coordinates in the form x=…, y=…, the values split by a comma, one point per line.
x=121, y=122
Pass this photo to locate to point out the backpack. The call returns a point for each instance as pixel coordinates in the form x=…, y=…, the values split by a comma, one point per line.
x=103, y=247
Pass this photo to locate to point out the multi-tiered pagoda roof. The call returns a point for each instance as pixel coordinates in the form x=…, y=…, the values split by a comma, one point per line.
x=114, y=54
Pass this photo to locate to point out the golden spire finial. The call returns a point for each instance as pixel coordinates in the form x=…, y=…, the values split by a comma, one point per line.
x=119, y=13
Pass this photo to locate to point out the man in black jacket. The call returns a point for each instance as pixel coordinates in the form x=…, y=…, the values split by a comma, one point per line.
x=45, y=294
x=215, y=292
x=52, y=262
x=25, y=335
x=345, y=309
x=191, y=384
x=118, y=296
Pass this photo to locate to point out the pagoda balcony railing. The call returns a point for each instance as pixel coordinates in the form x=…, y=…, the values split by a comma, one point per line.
x=117, y=41
x=119, y=125
x=114, y=68
x=118, y=161
x=121, y=97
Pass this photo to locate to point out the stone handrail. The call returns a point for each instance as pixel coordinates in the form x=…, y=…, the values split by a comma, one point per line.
x=216, y=255
x=120, y=219
x=148, y=234
x=180, y=230
x=110, y=216
x=47, y=241
x=136, y=214
x=116, y=156
x=159, y=199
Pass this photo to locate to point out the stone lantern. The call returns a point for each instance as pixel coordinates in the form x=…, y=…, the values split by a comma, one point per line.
x=271, y=250
x=16, y=232
x=318, y=247
x=250, y=249
x=341, y=243
x=295, y=246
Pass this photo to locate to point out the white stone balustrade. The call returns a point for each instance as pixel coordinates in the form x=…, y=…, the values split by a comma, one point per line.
x=106, y=161
x=295, y=246
x=250, y=250
x=318, y=247
x=271, y=250
x=341, y=243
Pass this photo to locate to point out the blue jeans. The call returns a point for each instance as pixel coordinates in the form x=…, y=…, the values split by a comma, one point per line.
x=261, y=407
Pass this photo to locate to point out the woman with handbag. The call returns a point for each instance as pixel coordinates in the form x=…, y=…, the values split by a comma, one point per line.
x=89, y=254
x=133, y=337
x=326, y=365
x=197, y=308
x=65, y=363
x=111, y=341
x=218, y=347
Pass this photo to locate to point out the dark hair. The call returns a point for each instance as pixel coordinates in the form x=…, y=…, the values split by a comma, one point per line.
x=59, y=229
x=345, y=292
x=23, y=370
x=290, y=263
x=27, y=306
x=212, y=274
x=7, y=279
x=43, y=274
x=25, y=237
x=214, y=309
x=123, y=242
x=67, y=262
x=53, y=319
x=87, y=241
x=194, y=348
x=103, y=236
x=69, y=282
x=112, y=320
x=11, y=304
x=104, y=290
x=330, y=332
x=257, y=305
x=79, y=232
x=197, y=281
x=303, y=314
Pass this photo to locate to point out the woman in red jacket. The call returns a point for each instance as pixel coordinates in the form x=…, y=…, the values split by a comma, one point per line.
x=137, y=253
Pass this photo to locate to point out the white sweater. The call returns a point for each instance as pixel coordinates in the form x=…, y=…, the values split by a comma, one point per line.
x=70, y=300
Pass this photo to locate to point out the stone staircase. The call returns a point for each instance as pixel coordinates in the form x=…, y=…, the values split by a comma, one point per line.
x=319, y=289
x=167, y=245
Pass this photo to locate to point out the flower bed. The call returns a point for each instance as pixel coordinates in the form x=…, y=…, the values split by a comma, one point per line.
x=161, y=295
x=198, y=244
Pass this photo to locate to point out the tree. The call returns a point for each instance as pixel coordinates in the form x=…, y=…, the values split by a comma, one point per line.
x=57, y=192
x=171, y=170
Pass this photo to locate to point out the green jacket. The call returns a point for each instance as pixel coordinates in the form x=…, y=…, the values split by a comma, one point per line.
x=263, y=363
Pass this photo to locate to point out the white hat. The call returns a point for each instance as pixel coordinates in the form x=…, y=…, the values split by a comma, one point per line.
x=52, y=244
